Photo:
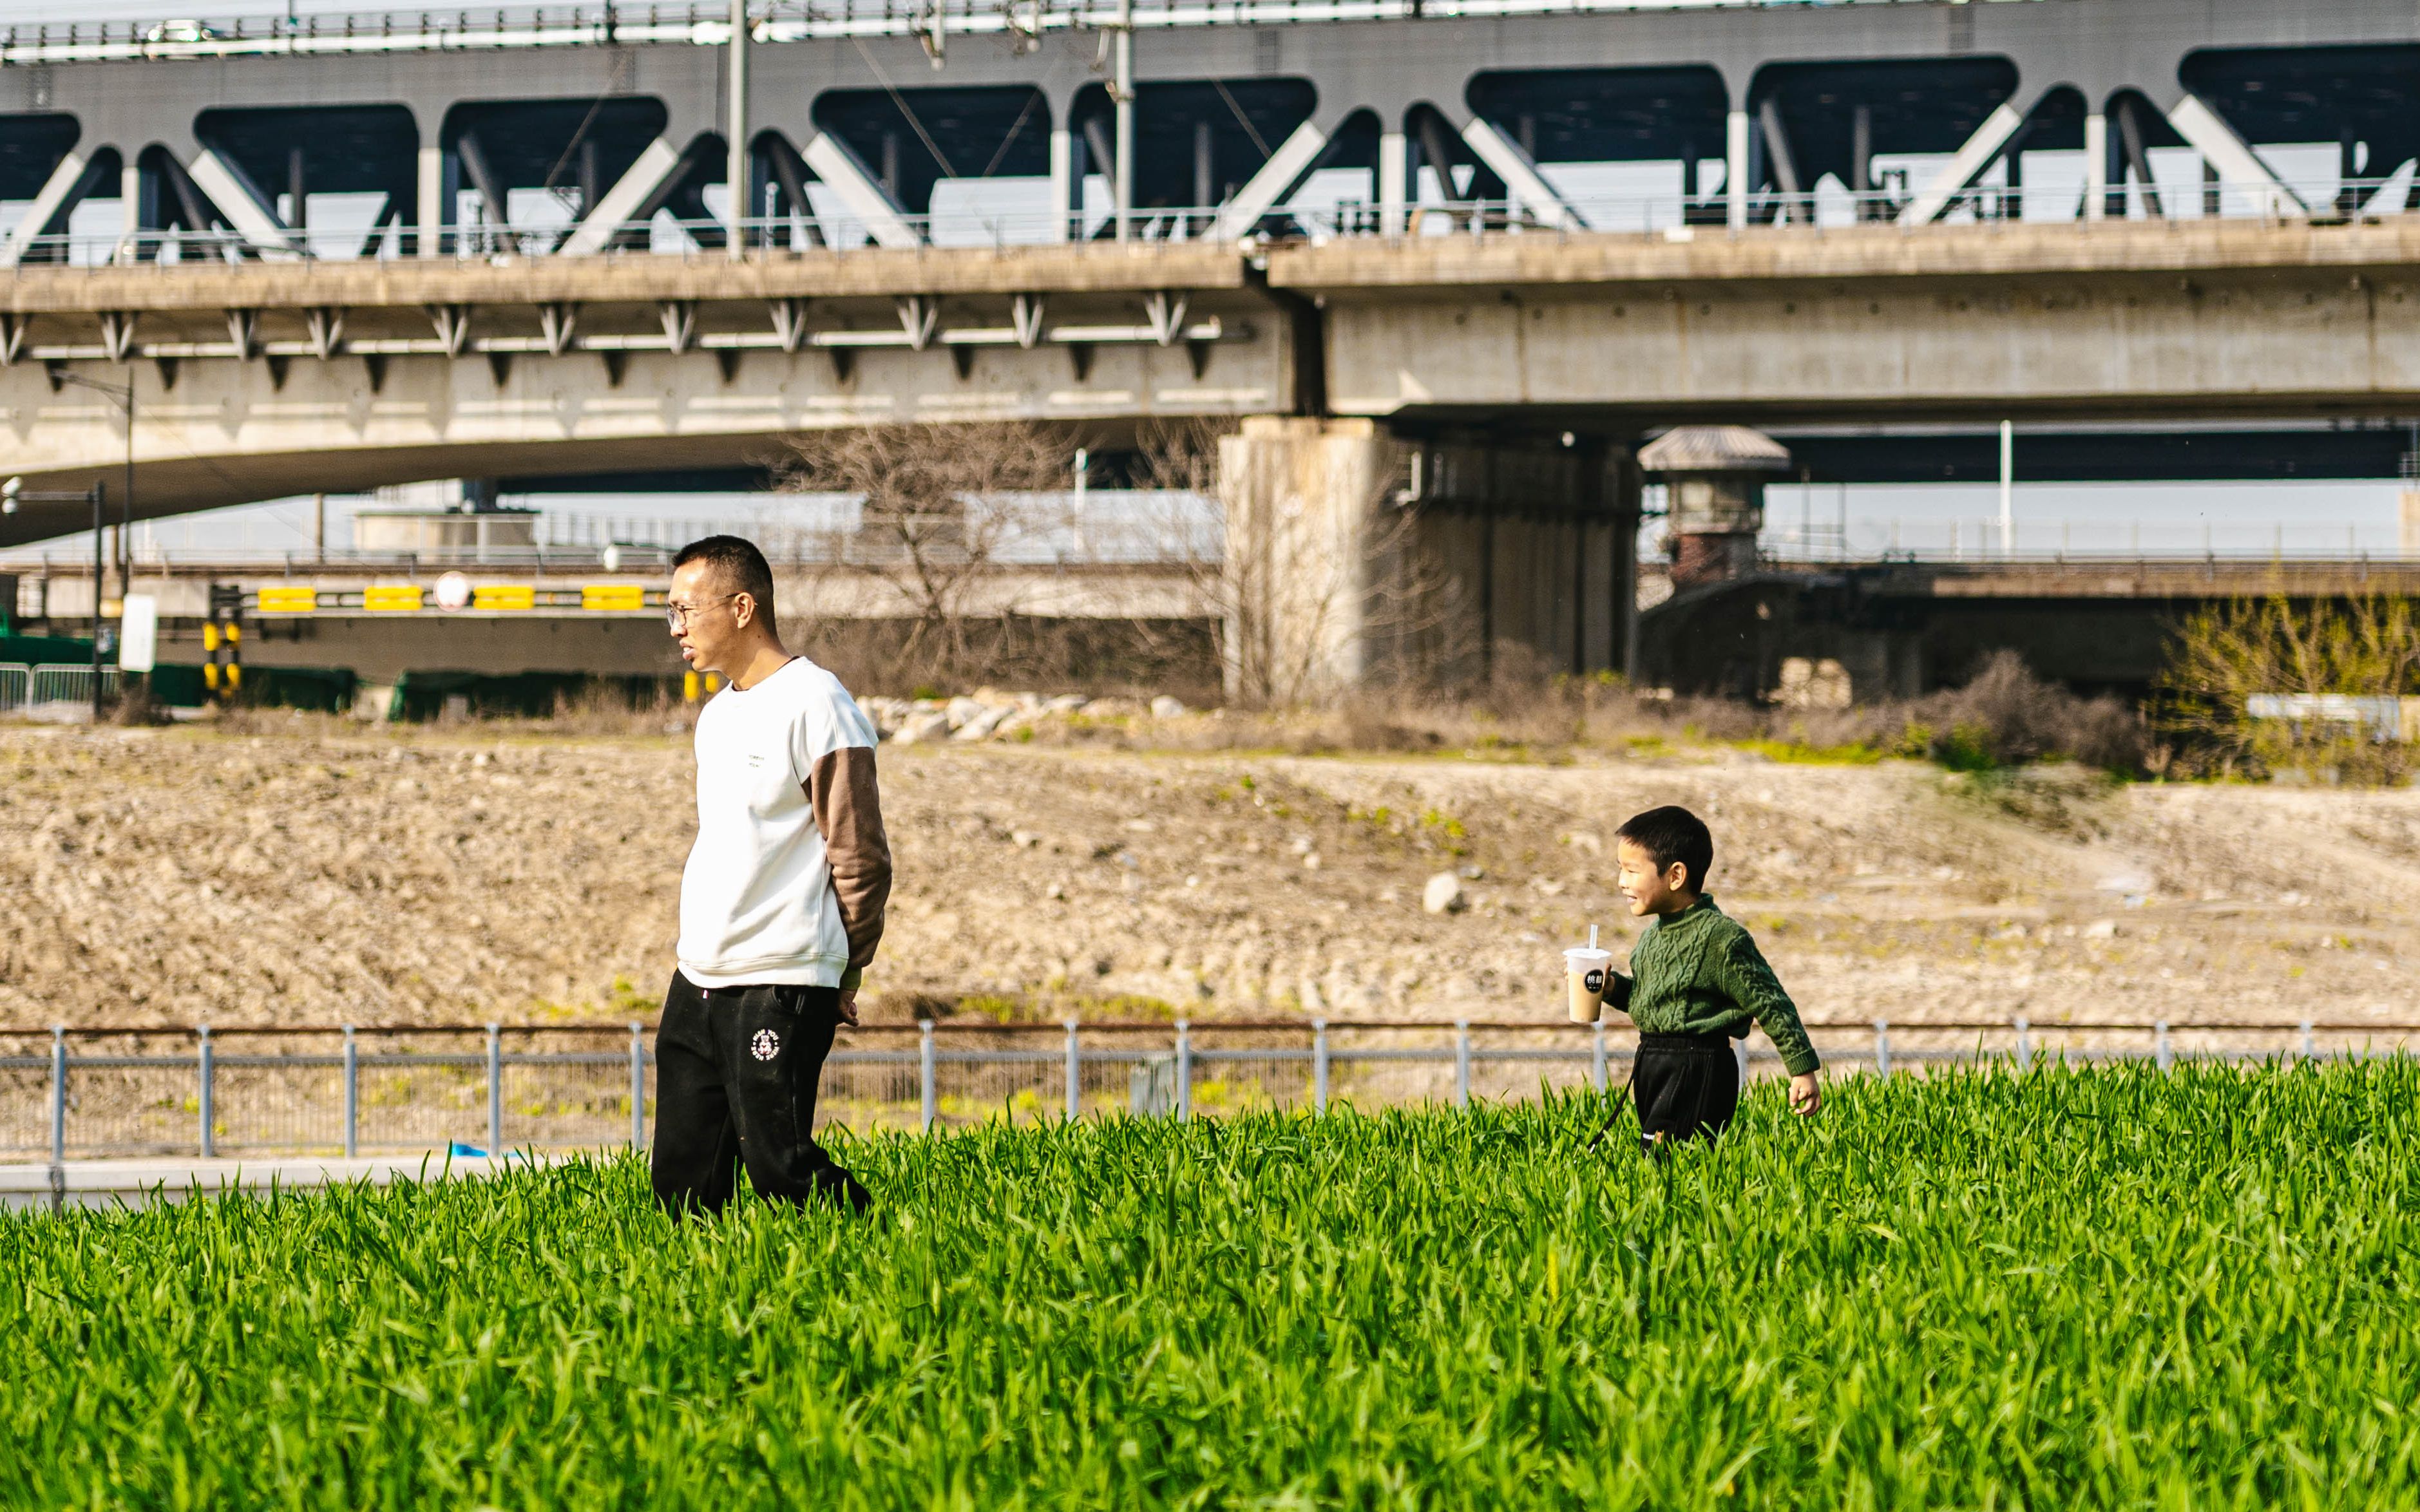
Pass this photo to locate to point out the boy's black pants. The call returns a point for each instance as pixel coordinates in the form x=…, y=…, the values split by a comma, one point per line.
x=1684, y=1086
x=736, y=1074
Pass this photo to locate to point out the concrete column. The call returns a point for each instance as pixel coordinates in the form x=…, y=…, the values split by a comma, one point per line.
x=1394, y=183
x=2096, y=166
x=1305, y=503
x=1735, y=184
x=129, y=189
x=2412, y=524
x=1066, y=196
x=1355, y=558
x=1624, y=497
x=431, y=239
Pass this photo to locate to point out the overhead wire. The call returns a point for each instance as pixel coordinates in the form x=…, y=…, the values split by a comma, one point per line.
x=901, y=101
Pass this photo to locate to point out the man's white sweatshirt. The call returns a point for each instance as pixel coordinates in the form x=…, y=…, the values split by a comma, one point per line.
x=788, y=877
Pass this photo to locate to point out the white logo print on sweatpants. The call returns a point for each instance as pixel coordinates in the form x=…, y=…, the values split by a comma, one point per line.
x=766, y=1046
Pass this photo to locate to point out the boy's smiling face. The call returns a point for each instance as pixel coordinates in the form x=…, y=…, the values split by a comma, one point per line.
x=1651, y=890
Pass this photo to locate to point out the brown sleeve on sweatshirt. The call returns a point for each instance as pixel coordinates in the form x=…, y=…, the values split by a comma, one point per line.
x=848, y=811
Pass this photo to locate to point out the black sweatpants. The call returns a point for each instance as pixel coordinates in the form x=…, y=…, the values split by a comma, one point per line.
x=736, y=1074
x=1684, y=1086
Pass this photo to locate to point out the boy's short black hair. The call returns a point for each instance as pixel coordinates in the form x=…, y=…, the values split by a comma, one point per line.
x=739, y=568
x=1672, y=834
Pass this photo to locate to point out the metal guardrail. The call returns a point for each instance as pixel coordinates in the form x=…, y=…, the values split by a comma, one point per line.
x=707, y=25
x=374, y=1090
x=25, y=689
x=813, y=231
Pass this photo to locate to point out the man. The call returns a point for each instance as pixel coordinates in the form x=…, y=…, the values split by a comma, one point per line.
x=781, y=901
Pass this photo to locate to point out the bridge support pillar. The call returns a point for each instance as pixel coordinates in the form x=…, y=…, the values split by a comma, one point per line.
x=2411, y=539
x=1357, y=559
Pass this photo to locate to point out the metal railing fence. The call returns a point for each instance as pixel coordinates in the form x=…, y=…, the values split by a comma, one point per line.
x=27, y=689
x=235, y=1092
x=335, y=32
x=822, y=230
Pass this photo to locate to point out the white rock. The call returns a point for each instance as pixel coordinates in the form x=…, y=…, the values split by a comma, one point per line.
x=1164, y=707
x=933, y=725
x=1024, y=839
x=1443, y=895
x=1065, y=704
x=982, y=725
x=963, y=711
x=2100, y=929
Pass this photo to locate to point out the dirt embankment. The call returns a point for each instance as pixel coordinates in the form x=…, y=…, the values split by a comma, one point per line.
x=189, y=876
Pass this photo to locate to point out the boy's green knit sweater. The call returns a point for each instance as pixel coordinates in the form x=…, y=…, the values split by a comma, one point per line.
x=1698, y=972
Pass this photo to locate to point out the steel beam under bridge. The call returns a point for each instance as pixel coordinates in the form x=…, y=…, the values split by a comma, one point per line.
x=2219, y=453
x=254, y=382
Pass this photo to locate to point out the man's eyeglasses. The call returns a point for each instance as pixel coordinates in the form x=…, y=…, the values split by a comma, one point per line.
x=676, y=615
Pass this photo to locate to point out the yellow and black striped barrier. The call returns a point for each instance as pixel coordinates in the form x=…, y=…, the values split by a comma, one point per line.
x=489, y=598
x=223, y=644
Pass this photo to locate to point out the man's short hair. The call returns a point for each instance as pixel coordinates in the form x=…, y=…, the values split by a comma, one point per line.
x=1672, y=834
x=739, y=568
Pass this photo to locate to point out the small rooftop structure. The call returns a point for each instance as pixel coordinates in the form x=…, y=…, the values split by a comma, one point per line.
x=1713, y=449
x=1715, y=496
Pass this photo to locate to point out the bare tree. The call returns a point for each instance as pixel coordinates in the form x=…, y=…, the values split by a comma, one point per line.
x=943, y=508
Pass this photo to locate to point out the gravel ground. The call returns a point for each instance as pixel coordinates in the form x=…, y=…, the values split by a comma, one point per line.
x=191, y=875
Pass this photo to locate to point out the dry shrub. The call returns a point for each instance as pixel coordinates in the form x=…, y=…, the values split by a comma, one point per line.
x=2006, y=717
x=2003, y=717
x=2225, y=655
x=1098, y=657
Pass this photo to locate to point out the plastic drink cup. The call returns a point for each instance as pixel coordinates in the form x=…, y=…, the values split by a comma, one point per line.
x=1584, y=979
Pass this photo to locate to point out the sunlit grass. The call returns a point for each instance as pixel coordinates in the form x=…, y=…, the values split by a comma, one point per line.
x=2104, y=1288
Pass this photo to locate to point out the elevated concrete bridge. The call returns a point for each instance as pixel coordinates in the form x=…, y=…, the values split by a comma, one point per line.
x=256, y=381
x=1388, y=233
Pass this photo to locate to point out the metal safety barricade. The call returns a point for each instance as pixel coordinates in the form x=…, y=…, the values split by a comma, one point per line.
x=239, y=1092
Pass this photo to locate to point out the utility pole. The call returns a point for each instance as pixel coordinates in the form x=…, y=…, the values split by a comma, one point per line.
x=736, y=163
x=1123, y=96
x=2008, y=488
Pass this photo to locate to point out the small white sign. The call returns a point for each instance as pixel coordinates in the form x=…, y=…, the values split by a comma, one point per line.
x=138, y=633
x=453, y=592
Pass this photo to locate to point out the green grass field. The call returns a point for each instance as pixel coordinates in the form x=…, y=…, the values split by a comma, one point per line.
x=2105, y=1288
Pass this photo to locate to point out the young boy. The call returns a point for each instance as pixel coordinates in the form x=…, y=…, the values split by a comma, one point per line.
x=1696, y=982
